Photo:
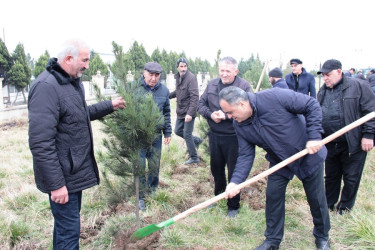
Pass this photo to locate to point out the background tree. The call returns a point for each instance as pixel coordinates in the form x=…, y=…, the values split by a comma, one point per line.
x=20, y=73
x=6, y=63
x=96, y=64
x=41, y=64
x=139, y=57
x=122, y=63
x=129, y=130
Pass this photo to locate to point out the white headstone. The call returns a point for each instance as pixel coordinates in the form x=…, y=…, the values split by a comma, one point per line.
x=171, y=82
x=129, y=77
x=98, y=79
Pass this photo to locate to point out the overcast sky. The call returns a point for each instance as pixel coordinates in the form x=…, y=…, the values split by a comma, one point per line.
x=277, y=30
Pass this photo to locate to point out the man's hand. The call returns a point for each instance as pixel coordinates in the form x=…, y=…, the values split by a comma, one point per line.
x=167, y=140
x=367, y=144
x=60, y=195
x=188, y=118
x=118, y=102
x=231, y=190
x=218, y=116
x=313, y=146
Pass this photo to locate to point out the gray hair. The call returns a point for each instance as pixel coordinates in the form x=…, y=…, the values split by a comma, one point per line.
x=233, y=95
x=229, y=60
x=71, y=47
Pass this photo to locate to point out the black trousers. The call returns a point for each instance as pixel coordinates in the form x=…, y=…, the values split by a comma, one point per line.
x=275, y=206
x=223, y=151
x=340, y=165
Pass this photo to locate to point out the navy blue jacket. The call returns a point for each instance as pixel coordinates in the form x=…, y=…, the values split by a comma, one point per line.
x=276, y=127
x=306, y=83
x=160, y=93
x=60, y=135
x=281, y=83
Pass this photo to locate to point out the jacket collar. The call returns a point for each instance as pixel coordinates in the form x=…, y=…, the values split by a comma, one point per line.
x=144, y=84
x=60, y=74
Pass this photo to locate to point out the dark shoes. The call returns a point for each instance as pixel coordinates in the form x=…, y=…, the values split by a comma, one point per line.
x=267, y=246
x=232, y=213
x=322, y=244
x=191, y=161
x=142, y=205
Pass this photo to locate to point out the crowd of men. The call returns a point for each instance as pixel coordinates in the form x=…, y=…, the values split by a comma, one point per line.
x=283, y=120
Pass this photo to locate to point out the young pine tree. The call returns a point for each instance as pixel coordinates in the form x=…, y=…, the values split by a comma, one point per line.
x=129, y=130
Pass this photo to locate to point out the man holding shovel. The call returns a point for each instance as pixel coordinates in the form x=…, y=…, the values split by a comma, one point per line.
x=270, y=119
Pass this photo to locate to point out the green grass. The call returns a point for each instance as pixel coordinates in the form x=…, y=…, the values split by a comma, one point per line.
x=26, y=221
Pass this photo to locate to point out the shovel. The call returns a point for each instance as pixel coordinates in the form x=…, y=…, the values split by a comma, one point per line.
x=143, y=232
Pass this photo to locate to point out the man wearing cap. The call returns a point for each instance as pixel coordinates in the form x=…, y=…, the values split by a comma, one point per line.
x=223, y=143
x=187, y=95
x=151, y=84
x=276, y=79
x=299, y=80
x=344, y=100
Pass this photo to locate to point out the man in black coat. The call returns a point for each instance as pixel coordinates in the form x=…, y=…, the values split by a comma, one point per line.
x=222, y=138
x=344, y=100
x=60, y=138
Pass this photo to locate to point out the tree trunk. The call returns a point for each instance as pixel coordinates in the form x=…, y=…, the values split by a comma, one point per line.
x=15, y=98
x=137, y=201
x=24, y=97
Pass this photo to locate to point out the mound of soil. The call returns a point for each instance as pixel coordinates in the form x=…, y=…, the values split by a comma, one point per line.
x=13, y=124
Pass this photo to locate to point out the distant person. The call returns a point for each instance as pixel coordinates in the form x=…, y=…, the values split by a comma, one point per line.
x=276, y=79
x=151, y=84
x=344, y=100
x=61, y=139
x=270, y=120
x=352, y=72
x=371, y=79
x=300, y=80
x=222, y=138
x=187, y=95
x=360, y=76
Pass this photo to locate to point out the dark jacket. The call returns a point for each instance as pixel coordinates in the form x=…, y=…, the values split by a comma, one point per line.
x=187, y=95
x=356, y=100
x=276, y=127
x=306, y=83
x=371, y=80
x=209, y=103
x=280, y=84
x=60, y=136
x=160, y=93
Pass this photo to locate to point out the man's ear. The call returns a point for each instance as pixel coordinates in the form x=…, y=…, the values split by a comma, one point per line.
x=68, y=59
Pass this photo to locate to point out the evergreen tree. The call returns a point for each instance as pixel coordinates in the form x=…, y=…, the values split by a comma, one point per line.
x=122, y=63
x=6, y=61
x=96, y=64
x=139, y=57
x=20, y=78
x=129, y=130
x=41, y=64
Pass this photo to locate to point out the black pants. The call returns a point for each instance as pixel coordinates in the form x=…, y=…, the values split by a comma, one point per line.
x=339, y=165
x=275, y=206
x=223, y=151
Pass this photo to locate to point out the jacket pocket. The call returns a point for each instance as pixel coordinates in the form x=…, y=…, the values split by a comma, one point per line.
x=72, y=159
x=78, y=155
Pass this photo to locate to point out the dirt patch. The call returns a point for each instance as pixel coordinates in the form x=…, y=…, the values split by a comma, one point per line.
x=255, y=194
x=14, y=124
x=124, y=242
